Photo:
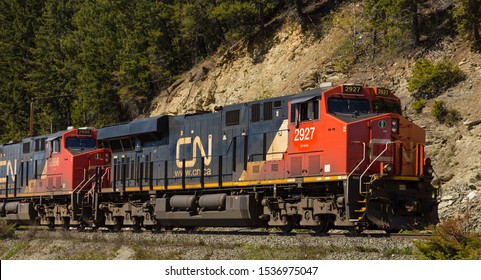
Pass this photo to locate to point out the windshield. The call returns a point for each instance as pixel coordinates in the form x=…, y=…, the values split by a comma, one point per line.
x=81, y=143
x=385, y=107
x=348, y=106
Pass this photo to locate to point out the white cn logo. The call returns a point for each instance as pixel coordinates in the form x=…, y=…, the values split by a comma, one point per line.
x=196, y=145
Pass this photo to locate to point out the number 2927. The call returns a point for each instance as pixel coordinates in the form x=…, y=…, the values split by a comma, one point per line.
x=304, y=134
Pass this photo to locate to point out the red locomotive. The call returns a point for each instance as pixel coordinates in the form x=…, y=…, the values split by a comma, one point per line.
x=44, y=175
x=333, y=157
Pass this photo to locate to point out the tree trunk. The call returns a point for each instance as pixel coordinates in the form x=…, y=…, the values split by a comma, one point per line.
x=415, y=24
x=476, y=36
x=299, y=7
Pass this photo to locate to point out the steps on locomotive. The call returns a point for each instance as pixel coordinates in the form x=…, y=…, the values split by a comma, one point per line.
x=358, y=198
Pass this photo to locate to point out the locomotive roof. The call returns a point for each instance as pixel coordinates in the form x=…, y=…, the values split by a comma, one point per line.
x=55, y=135
x=136, y=127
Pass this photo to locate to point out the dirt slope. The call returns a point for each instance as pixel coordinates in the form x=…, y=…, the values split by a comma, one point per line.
x=291, y=61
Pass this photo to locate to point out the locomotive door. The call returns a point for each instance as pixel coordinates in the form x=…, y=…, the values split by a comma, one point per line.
x=235, y=142
x=143, y=169
x=304, y=151
x=56, y=164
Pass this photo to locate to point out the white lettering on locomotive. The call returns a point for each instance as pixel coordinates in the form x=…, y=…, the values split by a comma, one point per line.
x=304, y=134
x=193, y=172
x=196, y=145
x=11, y=170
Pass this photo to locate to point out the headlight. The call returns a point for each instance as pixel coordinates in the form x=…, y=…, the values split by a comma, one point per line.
x=395, y=126
x=387, y=168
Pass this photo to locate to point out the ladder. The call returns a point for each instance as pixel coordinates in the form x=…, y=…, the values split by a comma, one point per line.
x=89, y=198
x=364, y=190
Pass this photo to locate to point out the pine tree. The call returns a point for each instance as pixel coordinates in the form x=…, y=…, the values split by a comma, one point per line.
x=390, y=22
x=48, y=76
x=18, y=21
x=91, y=58
x=145, y=56
x=467, y=14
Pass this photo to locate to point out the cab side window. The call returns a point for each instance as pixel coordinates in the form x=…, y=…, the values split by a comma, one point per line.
x=309, y=111
x=56, y=145
x=305, y=111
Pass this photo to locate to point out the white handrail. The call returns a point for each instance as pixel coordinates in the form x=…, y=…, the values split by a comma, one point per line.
x=85, y=176
x=375, y=159
x=363, y=159
x=359, y=164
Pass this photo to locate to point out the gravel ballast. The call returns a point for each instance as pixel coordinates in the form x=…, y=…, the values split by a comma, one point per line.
x=213, y=244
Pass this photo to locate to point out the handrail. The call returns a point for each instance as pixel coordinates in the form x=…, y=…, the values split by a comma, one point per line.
x=363, y=157
x=82, y=182
x=107, y=171
x=375, y=159
x=101, y=178
x=359, y=164
x=88, y=181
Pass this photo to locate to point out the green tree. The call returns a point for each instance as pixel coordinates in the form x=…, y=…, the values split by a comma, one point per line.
x=411, y=10
x=106, y=59
x=18, y=21
x=91, y=59
x=467, y=15
x=145, y=58
x=239, y=18
x=390, y=22
x=48, y=76
x=197, y=34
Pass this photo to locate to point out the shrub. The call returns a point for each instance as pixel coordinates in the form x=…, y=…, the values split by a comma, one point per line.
x=7, y=230
x=445, y=115
x=430, y=79
x=451, y=240
x=418, y=105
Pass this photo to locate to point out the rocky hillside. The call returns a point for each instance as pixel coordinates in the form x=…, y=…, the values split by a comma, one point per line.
x=292, y=60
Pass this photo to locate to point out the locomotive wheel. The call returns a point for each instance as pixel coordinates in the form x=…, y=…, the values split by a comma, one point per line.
x=190, y=229
x=324, y=224
x=289, y=224
x=81, y=226
x=117, y=226
x=157, y=227
x=286, y=229
x=137, y=227
x=392, y=230
x=66, y=224
x=356, y=230
x=51, y=224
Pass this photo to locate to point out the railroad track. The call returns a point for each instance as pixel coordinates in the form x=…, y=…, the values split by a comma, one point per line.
x=252, y=232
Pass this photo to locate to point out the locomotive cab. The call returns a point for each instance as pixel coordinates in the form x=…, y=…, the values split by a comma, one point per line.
x=68, y=158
